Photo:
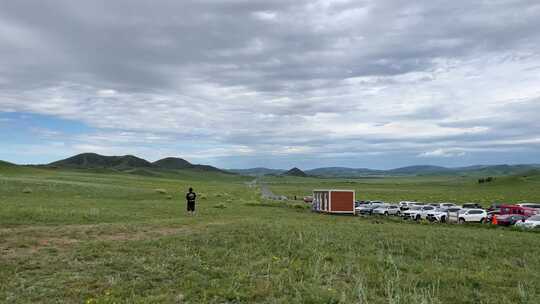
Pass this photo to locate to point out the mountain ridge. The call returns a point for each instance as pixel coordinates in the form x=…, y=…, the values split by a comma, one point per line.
x=129, y=163
x=417, y=170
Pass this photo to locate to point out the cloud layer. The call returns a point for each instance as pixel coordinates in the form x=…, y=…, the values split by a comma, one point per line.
x=277, y=82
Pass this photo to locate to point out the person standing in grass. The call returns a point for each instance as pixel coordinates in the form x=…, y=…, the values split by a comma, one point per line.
x=190, y=198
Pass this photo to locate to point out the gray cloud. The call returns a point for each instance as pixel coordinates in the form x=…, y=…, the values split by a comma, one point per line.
x=436, y=78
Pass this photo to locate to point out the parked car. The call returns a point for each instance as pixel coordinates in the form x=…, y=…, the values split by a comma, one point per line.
x=472, y=215
x=411, y=211
x=405, y=205
x=510, y=219
x=471, y=206
x=360, y=208
x=438, y=215
x=531, y=222
x=515, y=209
x=387, y=210
x=368, y=208
x=360, y=203
x=494, y=207
x=446, y=205
x=417, y=212
x=453, y=214
x=530, y=205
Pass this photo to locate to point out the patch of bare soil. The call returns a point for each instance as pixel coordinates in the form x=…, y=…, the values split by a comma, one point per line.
x=24, y=241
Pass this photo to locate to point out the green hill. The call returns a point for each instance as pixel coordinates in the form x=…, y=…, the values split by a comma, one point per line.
x=172, y=163
x=6, y=164
x=175, y=163
x=131, y=164
x=295, y=172
x=93, y=160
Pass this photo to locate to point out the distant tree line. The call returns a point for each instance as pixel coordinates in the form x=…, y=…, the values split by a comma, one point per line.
x=488, y=179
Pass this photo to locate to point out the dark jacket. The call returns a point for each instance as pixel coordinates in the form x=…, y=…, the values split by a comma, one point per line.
x=190, y=197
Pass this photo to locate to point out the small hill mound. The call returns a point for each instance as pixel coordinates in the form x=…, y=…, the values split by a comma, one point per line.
x=295, y=172
x=6, y=164
x=176, y=163
x=172, y=163
x=93, y=160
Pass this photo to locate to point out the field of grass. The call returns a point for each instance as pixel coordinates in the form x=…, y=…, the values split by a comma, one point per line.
x=505, y=189
x=81, y=237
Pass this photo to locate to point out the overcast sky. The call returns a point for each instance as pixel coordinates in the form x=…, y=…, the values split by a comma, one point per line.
x=245, y=83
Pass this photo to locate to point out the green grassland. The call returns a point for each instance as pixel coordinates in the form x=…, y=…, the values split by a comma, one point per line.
x=457, y=189
x=69, y=236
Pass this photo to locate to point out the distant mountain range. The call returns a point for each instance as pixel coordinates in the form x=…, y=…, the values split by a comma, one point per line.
x=423, y=170
x=136, y=165
x=129, y=163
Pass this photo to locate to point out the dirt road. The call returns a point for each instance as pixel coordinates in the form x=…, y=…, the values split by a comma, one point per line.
x=266, y=193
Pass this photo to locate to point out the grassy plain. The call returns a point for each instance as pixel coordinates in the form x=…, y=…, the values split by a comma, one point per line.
x=456, y=189
x=81, y=237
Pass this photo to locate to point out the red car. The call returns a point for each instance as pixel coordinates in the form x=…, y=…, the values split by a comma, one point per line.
x=510, y=219
x=514, y=209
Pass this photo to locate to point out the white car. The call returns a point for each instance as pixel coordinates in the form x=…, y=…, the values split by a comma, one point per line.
x=472, y=215
x=438, y=215
x=453, y=214
x=387, y=210
x=418, y=212
x=367, y=208
x=405, y=205
x=532, y=222
x=447, y=205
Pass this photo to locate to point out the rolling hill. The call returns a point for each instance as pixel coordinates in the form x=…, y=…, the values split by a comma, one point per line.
x=496, y=169
x=93, y=161
x=295, y=172
x=420, y=170
x=130, y=164
x=172, y=163
x=176, y=163
x=4, y=164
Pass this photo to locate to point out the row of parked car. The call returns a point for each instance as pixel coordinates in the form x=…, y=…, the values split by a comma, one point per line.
x=526, y=215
